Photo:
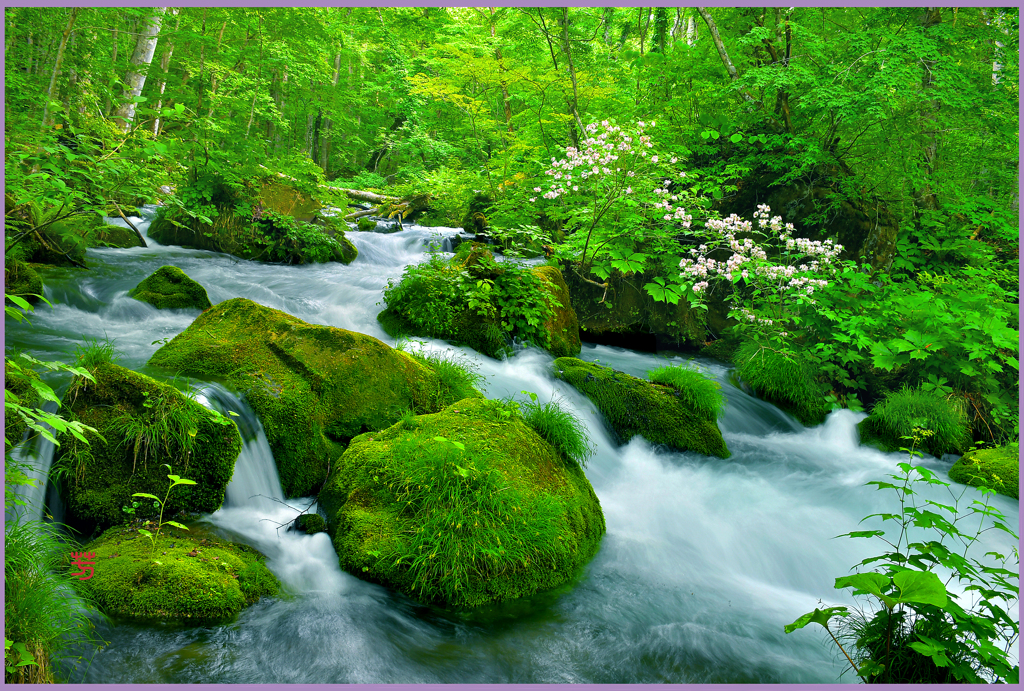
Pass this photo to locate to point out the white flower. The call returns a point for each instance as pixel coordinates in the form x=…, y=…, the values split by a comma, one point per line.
x=654, y=159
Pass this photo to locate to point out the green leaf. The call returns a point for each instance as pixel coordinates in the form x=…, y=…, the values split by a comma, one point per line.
x=922, y=587
x=176, y=525
x=183, y=481
x=818, y=616
x=147, y=496
x=736, y=138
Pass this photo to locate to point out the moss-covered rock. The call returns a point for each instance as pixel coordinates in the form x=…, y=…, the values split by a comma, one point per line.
x=170, y=288
x=367, y=225
x=310, y=523
x=200, y=579
x=636, y=407
x=563, y=328
x=22, y=280
x=313, y=387
x=786, y=380
x=997, y=469
x=500, y=517
x=144, y=424
x=113, y=236
x=18, y=382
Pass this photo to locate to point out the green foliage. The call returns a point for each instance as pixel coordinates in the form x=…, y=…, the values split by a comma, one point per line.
x=902, y=413
x=45, y=615
x=697, y=391
x=924, y=632
x=160, y=523
x=560, y=428
x=783, y=378
x=295, y=242
x=472, y=299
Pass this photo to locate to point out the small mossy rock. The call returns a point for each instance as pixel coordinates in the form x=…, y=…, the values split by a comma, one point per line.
x=309, y=523
x=18, y=382
x=22, y=280
x=128, y=409
x=346, y=252
x=392, y=493
x=367, y=225
x=313, y=387
x=997, y=469
x=200, y=579
x=785, y=381
x=113, y=236
x=170, y=288
x=633, y=407
x=563, y=328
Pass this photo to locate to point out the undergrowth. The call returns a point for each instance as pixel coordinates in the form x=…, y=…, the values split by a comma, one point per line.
x=783, y=379
x=901, y=412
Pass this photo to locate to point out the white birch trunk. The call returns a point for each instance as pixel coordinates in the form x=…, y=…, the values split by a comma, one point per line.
x=141, y=58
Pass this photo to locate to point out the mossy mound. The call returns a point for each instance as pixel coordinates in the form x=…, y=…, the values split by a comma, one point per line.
x=461, y=508
x=563, y=328
x=144, y=424
x=900, y=413
x=200, y=578
x=997, y=469
x=783, y=380
x=636, y=407
x=170, y=288
x=22, y=280
x=18, y=382
x=367, y=225
x=313, y=387
x=113, y=236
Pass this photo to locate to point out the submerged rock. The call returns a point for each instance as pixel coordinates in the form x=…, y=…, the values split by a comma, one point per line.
x=313, y=387
x=633, y=407
x=997, y=469
x=144, y=424
x=170, y=288
x=461, y=508
x=200, y=578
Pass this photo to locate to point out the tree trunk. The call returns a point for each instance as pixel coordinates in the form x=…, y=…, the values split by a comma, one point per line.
x=56, y=64
x=141, y=58
x=165, y=65
x=925, y=197
x=574, y=105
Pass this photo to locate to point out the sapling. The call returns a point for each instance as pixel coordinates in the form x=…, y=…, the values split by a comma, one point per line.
x=175, y=481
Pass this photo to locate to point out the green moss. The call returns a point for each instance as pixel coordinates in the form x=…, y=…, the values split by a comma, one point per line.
x=348, y=250
x=898, y=414
x=101, y=476
x=700, y=394
x=310, y=523
x=113, y=236
x=313, y=387
x=22, y=280
x=170, y=288
x=366, y=224
x=998, y=469
x=200, y=579
x=782, y=379
x=499, y=519
x=563, y=328
x=635, y=407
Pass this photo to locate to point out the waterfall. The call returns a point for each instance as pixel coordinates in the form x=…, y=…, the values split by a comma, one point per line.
x=36, y=453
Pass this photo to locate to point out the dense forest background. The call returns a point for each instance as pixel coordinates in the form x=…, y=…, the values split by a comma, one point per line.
x=892, y=130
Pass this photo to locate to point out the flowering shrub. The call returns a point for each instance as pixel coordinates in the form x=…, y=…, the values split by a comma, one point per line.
x=778, y=272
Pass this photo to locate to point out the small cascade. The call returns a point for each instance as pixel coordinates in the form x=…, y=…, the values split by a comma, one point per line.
x=37, y=453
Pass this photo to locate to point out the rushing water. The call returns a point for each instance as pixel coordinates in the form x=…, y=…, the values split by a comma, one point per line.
x=704, y=562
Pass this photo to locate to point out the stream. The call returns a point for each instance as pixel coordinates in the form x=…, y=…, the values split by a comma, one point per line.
x=704, y=562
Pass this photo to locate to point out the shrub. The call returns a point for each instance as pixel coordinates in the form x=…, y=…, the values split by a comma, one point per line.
x=700, y=393
x=783, y=379
x=901, y=412
x=560, y=428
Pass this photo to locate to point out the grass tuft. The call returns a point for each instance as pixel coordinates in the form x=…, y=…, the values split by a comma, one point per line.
x=701, y=394
x=96, y=352
x=457, y=377
x=783, y=379
x=561, y=429
x=901, y=412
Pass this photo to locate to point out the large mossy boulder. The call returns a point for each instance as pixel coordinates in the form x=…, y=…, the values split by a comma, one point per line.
x=200, y=578
x=461, y=508
x=634, y=407
x=313, y=387
x=563, y=327
x=170, y=288
x=144, y=424
x=997, y=469
x=280, y=226
x=22, y=280
x=783, y=379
